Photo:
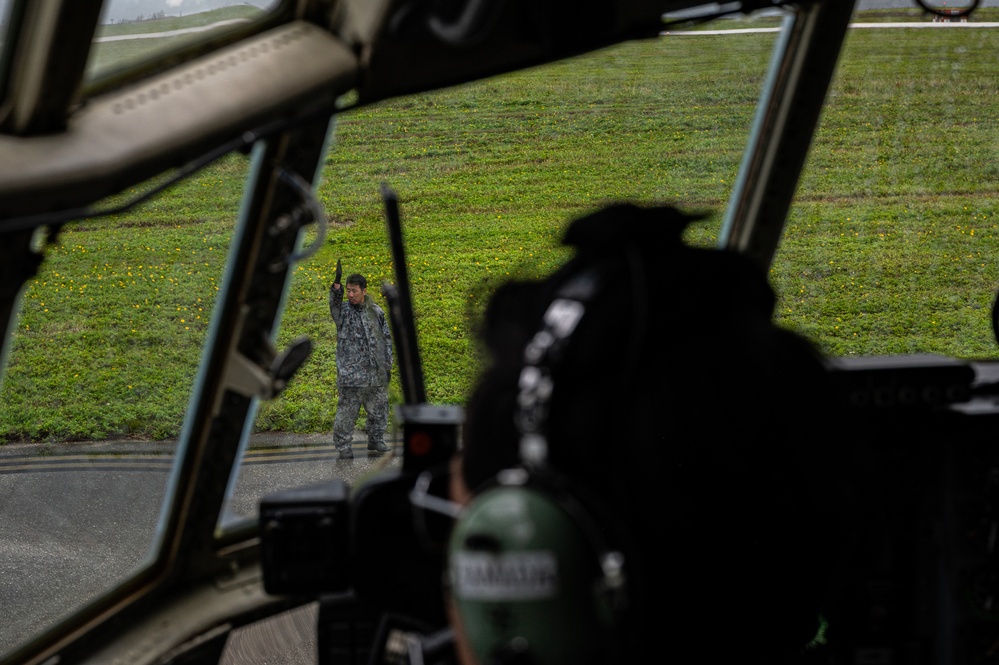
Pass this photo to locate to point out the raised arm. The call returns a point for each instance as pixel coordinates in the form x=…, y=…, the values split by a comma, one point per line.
x=336, y=295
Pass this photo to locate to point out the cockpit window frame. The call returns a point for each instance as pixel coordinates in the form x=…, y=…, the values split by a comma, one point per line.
x=8, y=19
x=45, y=58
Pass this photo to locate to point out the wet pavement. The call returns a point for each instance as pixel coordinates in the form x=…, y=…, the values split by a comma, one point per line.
x=80, y=517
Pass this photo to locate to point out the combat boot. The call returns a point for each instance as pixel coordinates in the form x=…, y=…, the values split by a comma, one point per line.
x=378, y=447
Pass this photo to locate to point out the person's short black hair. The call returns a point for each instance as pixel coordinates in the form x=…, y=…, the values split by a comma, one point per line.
x=357, y=279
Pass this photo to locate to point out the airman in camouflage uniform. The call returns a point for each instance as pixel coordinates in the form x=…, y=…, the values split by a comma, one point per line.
x=363, y=361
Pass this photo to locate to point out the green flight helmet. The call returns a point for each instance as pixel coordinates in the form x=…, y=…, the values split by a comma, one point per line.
x=532, y=579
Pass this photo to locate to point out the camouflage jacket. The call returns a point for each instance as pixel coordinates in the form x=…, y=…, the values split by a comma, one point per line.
x=363, y=342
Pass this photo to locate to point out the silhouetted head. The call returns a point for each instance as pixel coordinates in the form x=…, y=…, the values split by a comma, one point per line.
x=703, y=430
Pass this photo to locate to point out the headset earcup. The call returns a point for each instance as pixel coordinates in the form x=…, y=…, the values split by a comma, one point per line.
x=523, y=574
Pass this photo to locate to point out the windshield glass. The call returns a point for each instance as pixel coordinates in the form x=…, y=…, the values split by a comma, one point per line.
x=131, y=32
x=103, y=359
x=889, y=248
x=487, y=174
x=892, y=246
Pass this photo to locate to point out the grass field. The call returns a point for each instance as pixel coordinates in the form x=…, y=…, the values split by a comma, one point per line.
x=891, y=247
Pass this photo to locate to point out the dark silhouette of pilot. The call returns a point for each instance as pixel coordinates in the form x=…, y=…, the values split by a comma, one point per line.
x=710, y=437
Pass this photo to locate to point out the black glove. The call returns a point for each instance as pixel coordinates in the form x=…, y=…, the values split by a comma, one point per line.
x=339, y=272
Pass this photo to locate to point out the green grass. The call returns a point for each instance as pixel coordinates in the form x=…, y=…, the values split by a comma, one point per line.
x=893, y=246
x=890, y=249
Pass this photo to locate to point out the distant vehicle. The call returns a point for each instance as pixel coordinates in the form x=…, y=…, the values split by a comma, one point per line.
x=950, y=16
x=78, y=143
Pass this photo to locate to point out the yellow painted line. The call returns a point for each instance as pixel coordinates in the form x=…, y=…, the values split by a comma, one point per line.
x=91, y=458
x=156, y=461
x=77, y=466
x=304, y=456
x=279, y=451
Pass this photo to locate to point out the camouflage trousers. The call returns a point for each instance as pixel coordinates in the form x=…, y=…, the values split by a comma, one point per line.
x=375, y=401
